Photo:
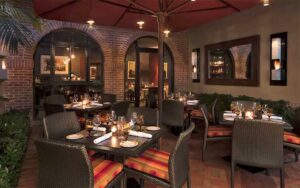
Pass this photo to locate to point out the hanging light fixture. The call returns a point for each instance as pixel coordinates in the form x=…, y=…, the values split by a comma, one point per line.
x=90, y=21
x=167, y=32
x=266, y=3
x=140, y=23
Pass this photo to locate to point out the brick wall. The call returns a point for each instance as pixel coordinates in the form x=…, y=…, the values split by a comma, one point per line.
x=114, y=43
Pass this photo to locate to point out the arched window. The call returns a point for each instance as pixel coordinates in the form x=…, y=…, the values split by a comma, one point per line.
x=141, y=70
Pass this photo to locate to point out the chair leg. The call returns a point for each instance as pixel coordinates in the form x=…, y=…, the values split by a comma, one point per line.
x=232, y=174
x=282, y=184
x=204, y=149
x=124, y=181
x=188, y=183
x=296, y=155
x=142, y=182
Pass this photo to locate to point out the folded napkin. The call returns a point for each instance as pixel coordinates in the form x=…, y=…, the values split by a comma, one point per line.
x=96, y=104
x=229, y=118
x=106, y=103
x=192, y=101
x=275, y=118
x=231, y=114
x=99, y=129
x=139, y=134
x=102, y=138
x=77, y=105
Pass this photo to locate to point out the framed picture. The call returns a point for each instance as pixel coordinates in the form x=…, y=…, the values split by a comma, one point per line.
x=61, y=64
x=93, y=72
x=131, y=69
x=165, y=70
x=45, y=64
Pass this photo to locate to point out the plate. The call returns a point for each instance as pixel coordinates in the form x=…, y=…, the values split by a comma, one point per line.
x=129, y=143
x=152, y=128
x=74, y=136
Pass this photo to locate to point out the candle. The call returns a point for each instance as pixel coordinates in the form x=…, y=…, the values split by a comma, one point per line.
x=114, y=130
x=249, y=115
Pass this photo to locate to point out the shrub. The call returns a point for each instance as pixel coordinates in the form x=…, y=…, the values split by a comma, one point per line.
x=14, y=128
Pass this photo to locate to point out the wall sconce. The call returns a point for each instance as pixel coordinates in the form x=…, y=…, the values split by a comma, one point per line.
x=195, y=62
x=278, y=59
x=3, y=71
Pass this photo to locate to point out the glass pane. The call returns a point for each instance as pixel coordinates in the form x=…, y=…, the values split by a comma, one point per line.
x=44, y=64
x=95, y=64
x=78, y=64
x=148, y=43
x=62, y=60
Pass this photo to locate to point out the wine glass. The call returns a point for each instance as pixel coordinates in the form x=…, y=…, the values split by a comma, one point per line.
x=88, y=127
x=120, y=125
x=75, y=98
x=269, y=113
x=95, y=97
x=96, y=120
x=134, y=118
x=265, y=109
x=113, y=116
x=141, y=122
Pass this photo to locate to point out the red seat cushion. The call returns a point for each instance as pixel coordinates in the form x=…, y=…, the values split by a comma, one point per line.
x=219, y=131
x=291, y=138
x=104, y=171
x=196, y=113
x=153, y=162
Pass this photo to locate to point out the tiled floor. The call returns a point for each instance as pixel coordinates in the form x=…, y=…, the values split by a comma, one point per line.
x=214, y=173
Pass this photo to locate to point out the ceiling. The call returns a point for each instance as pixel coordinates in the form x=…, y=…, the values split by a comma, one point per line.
x=183, y=14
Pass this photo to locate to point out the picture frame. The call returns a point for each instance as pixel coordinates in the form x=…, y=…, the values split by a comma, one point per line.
x=61, y=64
x=131, y=70
x=93, y=72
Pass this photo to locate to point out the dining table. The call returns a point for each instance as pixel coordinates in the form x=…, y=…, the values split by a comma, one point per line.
x=95, y=106
x=228, y=118
x=111, y=146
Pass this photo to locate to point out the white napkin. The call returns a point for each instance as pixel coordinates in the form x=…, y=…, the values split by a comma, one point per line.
x=99, y=129
x=231, y=114
x=96, y=104
x=275, y=118
x=192, y=102
x=139, y=134
x=229, y=118
x=77, y=105
x=102, y=138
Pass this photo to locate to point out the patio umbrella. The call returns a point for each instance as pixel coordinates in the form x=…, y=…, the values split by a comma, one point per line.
x=158, y=15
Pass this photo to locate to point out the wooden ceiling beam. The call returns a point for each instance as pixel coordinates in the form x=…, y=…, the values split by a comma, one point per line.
x=123, y=14
x=230, y=5
x=140, y=6
x=199, y=10
x=178, y=7
x=121, y=5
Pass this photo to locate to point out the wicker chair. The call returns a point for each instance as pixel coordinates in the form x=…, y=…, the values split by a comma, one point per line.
x=108, y=98
x=60, y=125
x=55, y=99
x=197, y=114
x=172, y=170
x=257, y=143
x=213, y=132
x=121, y=108
x=53, y=108
x=150, y=115
x=173, y=114
x=292, y=139
x=68, y=165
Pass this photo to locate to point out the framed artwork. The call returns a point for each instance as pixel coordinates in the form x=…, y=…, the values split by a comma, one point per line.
x=278, y=59
x=61, y=64
x=45, y=63
x=93, y=72
x=196, y=65
x=165, y=70
x=131, y=69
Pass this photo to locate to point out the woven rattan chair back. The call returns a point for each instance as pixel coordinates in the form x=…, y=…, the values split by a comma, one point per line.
x=121, y=108
x=55, y=99
x=179, y=159
x=150, y=115
x=63, y=165
x=108, y=98
x=60, y=125
x=53, y=108
x=257, y=143
x=173, y=113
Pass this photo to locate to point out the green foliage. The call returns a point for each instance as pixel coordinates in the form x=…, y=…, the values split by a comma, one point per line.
x=279, y=107
x=14, y=128
x=13, y=25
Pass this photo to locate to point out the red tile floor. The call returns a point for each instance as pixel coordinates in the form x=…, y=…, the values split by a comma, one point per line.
x=214, y=173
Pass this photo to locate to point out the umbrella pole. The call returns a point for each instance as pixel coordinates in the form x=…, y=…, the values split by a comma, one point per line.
x=161, y=24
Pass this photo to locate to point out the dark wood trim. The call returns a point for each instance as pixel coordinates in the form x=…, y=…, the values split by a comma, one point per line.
x=284, y=56
x=178, y=7
x=137, y=76
x=124, y=6
x=255, y=59
x=170, y=5
x=230, y=5
x=123, y=14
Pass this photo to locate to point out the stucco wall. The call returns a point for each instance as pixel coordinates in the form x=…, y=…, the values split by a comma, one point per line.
x=280, y=16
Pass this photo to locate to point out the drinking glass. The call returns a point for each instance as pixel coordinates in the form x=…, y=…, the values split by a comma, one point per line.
x=96, y=120
x=95, y=97
x=265, y=109
x=120, y=125
x=75, y=97
x=141, y=122
x=88, y=127
x=113, y=116
x=134, y=118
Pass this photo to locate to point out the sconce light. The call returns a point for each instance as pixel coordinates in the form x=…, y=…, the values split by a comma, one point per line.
x=167, y=32
x=3, y=71
x=3, y=64
x=266, y=2
x=195, y=62
x=140, y=23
